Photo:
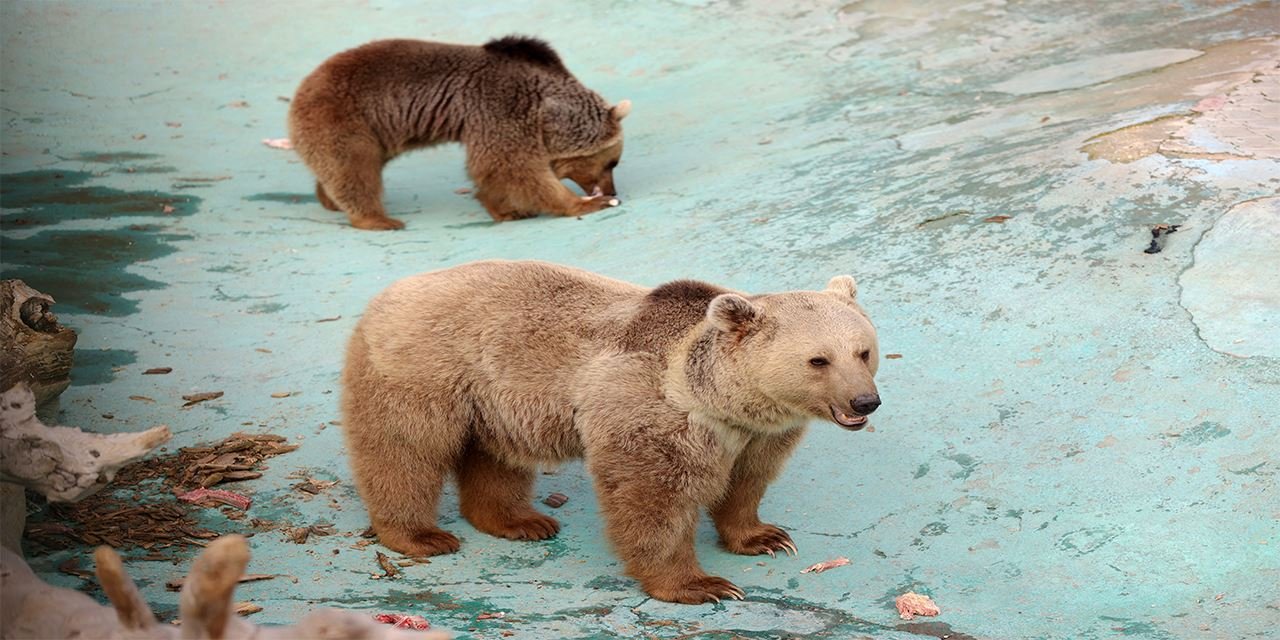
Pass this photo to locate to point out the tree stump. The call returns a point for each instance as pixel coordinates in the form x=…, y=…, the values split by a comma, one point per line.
x=36, y=349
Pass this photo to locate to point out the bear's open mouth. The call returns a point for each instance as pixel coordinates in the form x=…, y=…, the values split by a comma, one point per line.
x=848, y=421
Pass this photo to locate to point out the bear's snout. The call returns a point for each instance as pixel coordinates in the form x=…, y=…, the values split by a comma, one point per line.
x=865, y=404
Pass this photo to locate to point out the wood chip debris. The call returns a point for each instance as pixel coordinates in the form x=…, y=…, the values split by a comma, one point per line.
x=555, y=500
x=214, y=497
x=496, y=614
x=282, y=394
x=389, y=569
x=399, y=621
x=893, y=356
x=826, y=564
x=142, y=399
x=103, y=519
x=311, y=486
x=176, y=583
x=332, y=319
x=300, y=535
x=912, y=604
x=236, y=458
x=197, y=398
x=157, y=371
x=997, y=219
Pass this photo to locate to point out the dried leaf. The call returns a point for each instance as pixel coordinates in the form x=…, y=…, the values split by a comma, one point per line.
x=826, y=564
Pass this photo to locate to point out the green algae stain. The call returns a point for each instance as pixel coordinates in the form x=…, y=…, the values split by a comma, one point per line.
x=1204, y=432
x=266, y=307
x=967, y=465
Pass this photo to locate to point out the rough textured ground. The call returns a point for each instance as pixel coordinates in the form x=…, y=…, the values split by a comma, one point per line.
x=1078, y=441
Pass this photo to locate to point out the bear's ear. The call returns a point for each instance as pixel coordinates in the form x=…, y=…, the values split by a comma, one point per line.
x=844, y=285
x=731, y=312
x=621, y=109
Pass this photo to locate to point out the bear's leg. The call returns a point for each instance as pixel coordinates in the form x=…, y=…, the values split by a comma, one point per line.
x=495, y=498
x=402, y=445
x=736, y=515
x=653, y=531
x=325, y=200
x=511, y=191
x=350, y=174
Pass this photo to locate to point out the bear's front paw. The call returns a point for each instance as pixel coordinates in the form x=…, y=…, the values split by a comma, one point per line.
x=594, y=203
x=376, y=223
x=420, y=542
x=697, y=590
x=530, y=526
x=765, y=538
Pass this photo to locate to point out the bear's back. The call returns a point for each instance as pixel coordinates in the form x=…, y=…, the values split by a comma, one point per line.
x=666, y=314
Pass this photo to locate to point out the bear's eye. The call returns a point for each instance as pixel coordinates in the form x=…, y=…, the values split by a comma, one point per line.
x=611, y=166
x=819, y=362
x=865, y=355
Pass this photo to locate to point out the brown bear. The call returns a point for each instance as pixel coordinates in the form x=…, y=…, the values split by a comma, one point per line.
x=525, y=120
x=680, y=397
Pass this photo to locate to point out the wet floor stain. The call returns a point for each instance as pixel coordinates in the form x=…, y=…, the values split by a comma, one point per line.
x=283, y=197
x=45, y=197
x=98, y=366
x=85, y=271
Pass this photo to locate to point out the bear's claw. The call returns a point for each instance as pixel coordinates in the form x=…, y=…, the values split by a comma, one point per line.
x=700, y=591
x=766, y=539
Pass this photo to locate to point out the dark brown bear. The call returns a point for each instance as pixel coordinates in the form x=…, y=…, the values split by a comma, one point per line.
x=525, y=120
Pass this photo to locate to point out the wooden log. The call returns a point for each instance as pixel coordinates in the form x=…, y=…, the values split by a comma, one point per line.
x=35, y=348
x=63, y=464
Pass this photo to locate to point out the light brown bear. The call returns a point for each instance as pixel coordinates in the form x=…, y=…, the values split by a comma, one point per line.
x=680, y=397
x=525, y=120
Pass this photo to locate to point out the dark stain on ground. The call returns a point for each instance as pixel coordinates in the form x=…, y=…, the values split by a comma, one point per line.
x=95, y=366
x=85, y=271
x=286, y=198
x=843, y=625
x=50, y=196
x=114, y=157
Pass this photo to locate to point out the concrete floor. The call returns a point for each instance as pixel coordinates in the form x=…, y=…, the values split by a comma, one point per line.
x=1078, y=441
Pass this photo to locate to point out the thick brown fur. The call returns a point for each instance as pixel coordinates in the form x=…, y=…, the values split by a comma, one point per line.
x=525, y=120
x=681, y=398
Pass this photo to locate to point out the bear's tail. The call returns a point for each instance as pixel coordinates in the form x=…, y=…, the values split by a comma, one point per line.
x=527, y=49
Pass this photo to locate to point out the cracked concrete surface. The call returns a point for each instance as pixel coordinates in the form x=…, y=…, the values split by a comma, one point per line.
x=1060, y=453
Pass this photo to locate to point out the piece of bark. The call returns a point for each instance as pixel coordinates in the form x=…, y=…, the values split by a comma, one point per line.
x=176, y=583
x=34, y=348
x=63, y=464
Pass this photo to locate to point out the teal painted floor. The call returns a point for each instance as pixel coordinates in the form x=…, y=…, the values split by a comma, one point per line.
x=1079, y=439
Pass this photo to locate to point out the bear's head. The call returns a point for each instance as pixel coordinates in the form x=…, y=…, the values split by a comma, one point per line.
x=769, y=361
x=585, y=141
